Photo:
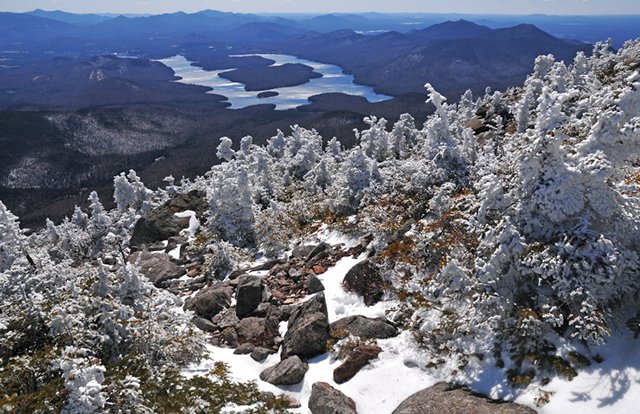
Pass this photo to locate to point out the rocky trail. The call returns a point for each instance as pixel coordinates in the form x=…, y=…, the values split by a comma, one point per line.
x=311, y=325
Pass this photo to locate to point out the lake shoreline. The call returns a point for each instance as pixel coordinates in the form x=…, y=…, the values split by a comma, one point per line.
x=329, y=79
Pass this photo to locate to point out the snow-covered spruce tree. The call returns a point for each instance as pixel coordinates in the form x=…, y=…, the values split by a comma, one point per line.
x=231, y=203
x=129, y=192
x=11, y=238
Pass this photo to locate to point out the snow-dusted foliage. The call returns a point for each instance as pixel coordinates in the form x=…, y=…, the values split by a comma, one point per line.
x=130, y=192
x=504, y=225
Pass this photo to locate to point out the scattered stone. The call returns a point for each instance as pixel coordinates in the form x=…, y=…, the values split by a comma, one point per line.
x=296, y=274
x=308, y=330
x=244, y=349
x=158, y=267
x=268, y=265
x=445, y=398
x=209, y=301
x=249, y=295
x=365, y=280
x=157, y=246
x=327, y=400
x=260, y=354
x=237, y=273
x=322, y=247
x=226, y=318
x=303, y=251
x=314, y=285
x=355, y=362
x=229, y=337
x=286, y=372
x=194, y=272
x=318, y=270
x=277, y=294
x=378, y=328
x=204, y=324
x=317, y=258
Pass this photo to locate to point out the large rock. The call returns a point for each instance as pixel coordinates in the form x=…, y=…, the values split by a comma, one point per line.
x=204, y=324
x=313, y=285
x=194, y=200
x=255, y=331
x=322, y=247
x=250, y=293
x=327, y=400
x=157, y=267
x=444, y=398
x=210, y=301
x=308, y=330
x=287, y=372
x=161, y=222
x=226, y=319
x=358, y=325
x=365, y=280
x=355, y=362
x=317, y=303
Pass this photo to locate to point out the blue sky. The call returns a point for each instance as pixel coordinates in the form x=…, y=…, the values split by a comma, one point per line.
x=324, y=6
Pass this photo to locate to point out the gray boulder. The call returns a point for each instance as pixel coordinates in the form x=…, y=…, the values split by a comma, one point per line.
x=255, y=331
x=209, y=301
x=226, y=319
x=317, y=303
x=157, y=267
x=445, y=398
x=260, y=353
x=302, y=251
x=249, y=295
x=322, y=247
x=378, y=328
x=286, y=372
x=161, y=222
x=314, y=285
x=308, y=329
x=204, y=324
x=327, y=400
x=365, y=280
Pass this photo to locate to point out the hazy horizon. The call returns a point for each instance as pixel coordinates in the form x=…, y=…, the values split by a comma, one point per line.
x=490, y=7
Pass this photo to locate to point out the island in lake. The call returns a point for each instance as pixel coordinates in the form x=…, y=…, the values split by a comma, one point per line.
x=262, y=78
x=267, y=94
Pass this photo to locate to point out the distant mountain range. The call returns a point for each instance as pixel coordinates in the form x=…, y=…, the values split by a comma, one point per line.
x=453, y=56
x=579, y=28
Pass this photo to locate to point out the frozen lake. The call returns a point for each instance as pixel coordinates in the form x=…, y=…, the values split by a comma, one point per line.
x=333, y=80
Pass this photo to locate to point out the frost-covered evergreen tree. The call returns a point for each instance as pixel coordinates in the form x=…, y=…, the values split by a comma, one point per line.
x=11, y=238
x=232, y=208
x=129, y=192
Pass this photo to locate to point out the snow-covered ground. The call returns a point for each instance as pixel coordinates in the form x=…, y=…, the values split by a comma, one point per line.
x=610, y=387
